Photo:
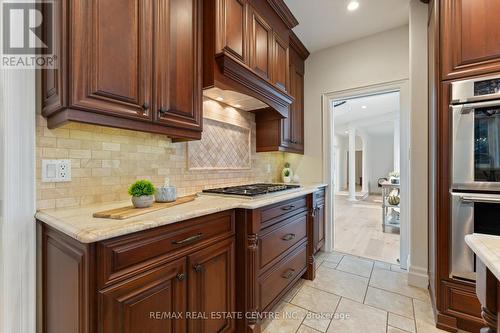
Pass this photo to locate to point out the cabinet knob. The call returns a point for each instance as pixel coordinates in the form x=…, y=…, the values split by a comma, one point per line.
x=181, y=276
x=145, y=106
x=162, y=110
x=198, y=268
x=288, y=237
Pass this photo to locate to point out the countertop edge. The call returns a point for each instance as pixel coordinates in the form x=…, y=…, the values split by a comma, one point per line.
x=87, y=237
x=490, y=258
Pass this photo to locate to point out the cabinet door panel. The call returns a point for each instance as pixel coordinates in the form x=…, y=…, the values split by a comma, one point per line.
x=471, y=41
x=111, y=60
x=211, y=287
x=178, y=63
x=141, y=304
x=260, y=48
x=298, y=109
x=233, y=28
x=280, y=63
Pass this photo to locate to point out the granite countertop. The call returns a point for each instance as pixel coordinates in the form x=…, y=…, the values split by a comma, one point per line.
x=487, y=248
x=79, y=223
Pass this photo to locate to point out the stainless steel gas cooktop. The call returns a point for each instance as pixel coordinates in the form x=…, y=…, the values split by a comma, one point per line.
x=252, y=190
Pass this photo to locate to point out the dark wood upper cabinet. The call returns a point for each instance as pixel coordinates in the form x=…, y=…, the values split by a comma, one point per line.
x=245, y=49
x=127, y=307
x=111, y=58
x=211, y=287
x=178, y=55
x=280, y=74
x=233, y=34
x=261, y=37
x=278, y=134
x=108, y=51
x=470, y=38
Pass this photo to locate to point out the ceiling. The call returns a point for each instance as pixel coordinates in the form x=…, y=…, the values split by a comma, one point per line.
x=373, y=115
x=325, y=23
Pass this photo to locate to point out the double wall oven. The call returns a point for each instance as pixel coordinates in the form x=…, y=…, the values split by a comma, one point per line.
x=475, y=189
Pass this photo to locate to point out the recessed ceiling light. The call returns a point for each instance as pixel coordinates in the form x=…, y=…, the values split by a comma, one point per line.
x=220, y=98
x=353, y=5
x=346, y=132
x=237, y=106
x=363, y=106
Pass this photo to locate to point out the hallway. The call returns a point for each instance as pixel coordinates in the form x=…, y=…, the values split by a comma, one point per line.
x=358, y=229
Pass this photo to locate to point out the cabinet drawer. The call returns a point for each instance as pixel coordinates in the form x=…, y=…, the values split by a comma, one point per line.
x=273, y=284
x=282, y=210
x=320, y=194
x=122, y=256
x=280, y=237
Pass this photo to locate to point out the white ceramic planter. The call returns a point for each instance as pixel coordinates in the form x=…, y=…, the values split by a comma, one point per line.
x=143, y=201
x=287, y=179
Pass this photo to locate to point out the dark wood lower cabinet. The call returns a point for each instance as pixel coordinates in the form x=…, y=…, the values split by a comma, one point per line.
x=183, y=277
x=145, y=303
x=211, y=288
x=319, y=219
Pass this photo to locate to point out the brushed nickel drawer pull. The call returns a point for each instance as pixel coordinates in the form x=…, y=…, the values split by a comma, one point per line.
x=288, y=273
x=290, y=207
x=188, y=240
x=288, y=237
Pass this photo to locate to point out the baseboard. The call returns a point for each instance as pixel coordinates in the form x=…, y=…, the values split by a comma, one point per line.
x=418, y=277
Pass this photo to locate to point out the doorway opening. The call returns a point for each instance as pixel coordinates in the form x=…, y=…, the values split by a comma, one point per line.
x=367, y=189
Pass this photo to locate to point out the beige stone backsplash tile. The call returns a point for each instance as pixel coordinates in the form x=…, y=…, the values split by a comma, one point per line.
x=105, y=161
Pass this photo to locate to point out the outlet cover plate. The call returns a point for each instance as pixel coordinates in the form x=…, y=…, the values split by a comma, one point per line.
x=55, y=171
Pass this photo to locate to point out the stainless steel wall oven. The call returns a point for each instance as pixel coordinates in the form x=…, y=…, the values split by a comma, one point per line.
x=475, y=189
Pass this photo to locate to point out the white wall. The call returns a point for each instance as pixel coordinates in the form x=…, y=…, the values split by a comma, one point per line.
x=372, y=60
x=380, y=158
x=419, y=149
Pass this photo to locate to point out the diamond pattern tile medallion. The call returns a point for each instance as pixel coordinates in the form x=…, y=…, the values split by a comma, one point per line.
x=223, y=146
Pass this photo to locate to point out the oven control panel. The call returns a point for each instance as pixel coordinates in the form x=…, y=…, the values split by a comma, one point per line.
x=487, y=87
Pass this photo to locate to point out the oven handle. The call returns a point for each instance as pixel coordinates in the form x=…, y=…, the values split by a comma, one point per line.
x=471, y=198
x=466, y=108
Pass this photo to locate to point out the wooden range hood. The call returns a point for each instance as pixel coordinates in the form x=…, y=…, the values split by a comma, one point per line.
x=245, y=51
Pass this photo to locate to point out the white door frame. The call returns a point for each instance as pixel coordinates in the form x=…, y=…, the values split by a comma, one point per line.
x=17, y=201
x=403, y=87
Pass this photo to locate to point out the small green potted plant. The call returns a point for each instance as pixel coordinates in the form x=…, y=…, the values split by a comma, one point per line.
x=142, y=192
x=287, y=173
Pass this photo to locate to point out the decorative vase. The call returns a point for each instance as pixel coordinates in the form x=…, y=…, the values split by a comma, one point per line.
x=287, y=179
x=166, y=194
x=143, y=201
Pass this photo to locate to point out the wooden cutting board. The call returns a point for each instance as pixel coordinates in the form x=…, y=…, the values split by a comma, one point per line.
x=130, y=211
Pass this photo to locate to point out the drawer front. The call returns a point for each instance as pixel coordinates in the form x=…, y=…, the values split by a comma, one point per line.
x=122, y=256
x=271, y=285
x=277, y=239
x=319, y=194
x=277, y=212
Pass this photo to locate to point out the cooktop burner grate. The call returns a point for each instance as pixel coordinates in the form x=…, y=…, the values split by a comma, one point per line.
x=251, y=190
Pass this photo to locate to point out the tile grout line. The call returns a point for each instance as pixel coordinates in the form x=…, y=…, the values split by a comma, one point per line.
x=368, y=284
x=334, y=312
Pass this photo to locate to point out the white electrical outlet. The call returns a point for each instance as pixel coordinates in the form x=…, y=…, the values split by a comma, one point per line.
x=56, y=171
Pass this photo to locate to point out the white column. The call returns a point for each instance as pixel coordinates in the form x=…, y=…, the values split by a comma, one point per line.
x=352, y=164
x=17, y=201
x=397, y=143
x=364, y=162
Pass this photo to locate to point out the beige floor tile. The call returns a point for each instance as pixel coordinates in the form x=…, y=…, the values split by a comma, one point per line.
x=333, y=256
x=306, y=329
x=391, y=329
x=329, y=264
x=356, y=266
x=382, y=265
x=316, y=300
x=402, y=323
x=397, y=268
x=359, y=318
x=340, y=283
x=389, y=301
x=424, y=317
x=396, y=282
x=288, y=321
x=295, y=289
x=319, y=322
